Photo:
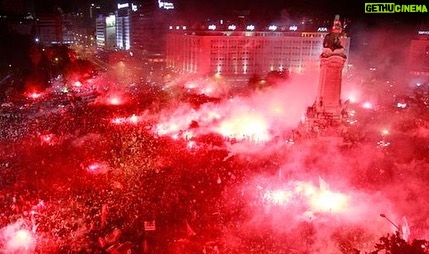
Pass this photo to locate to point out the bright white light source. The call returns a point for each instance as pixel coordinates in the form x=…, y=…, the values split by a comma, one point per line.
x=367, y=105
x=272, y=28
x=232, y=27
x=293, y=28
x=401, y=105
x=250, y=27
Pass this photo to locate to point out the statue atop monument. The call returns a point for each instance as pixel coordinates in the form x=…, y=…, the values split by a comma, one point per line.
x=332, y=39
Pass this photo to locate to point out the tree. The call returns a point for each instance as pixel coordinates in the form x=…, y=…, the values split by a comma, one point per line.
x=394, y=244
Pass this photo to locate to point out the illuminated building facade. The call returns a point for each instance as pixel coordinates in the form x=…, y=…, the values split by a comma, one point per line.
x=419, y=57
x=105, y=31
x=123, y=28
x=142, y=28
x=242, y=54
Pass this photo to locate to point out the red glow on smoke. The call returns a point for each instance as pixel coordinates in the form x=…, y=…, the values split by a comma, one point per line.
x=47, y=139
x=118, y=120
x=93, y=167
x=97, y=168
x=278, y=197
x=327, y=201
x=113, y=97
x=315, y=198
x=252, y=126
x=257, y=118
x=34, y=95
x=133, y=119
x=17, y=238
x=204, y=86
x=191, y=145
x=367, y=105
x=21, y=240
x=115, y=100
x=242, y=125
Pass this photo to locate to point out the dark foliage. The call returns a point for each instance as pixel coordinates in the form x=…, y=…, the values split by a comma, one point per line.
x=394, y=244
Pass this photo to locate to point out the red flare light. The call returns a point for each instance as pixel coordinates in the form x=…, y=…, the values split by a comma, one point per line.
x=21, y=240
x=115, y=101
x=317, y=199
x=47, y=139
x=134, y=119
x=97, y=168
x=17, y=238
x=34, y=95
x=367, y=105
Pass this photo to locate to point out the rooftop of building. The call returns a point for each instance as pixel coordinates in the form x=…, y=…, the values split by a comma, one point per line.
x=251, y=31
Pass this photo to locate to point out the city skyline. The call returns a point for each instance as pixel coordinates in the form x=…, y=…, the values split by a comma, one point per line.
x=258, y=9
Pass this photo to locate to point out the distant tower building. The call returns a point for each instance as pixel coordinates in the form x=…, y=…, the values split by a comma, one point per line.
x=94, y=11
x=332, y=62
x=154, y=20
x=142, y=28
x=418, y=58
x=105, y=31
x=54, y=29
x=123, y=15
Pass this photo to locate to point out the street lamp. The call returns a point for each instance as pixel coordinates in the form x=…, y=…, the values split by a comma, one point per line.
x=391, y=222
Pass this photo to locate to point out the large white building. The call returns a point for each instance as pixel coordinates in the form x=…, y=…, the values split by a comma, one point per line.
x=241, y=54
x=418, y=58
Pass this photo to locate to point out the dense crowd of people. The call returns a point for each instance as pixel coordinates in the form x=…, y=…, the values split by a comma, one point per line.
x=72, y=206
x=83, y=184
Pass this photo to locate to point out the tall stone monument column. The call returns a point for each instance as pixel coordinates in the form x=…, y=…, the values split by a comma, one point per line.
x=332, y=61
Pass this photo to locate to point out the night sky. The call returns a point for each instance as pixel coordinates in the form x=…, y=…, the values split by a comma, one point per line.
x=259, y=9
